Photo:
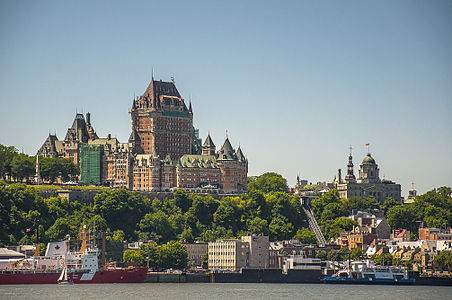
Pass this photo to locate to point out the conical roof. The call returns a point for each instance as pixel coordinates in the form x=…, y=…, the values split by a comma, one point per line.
x=240, y=156
x=226, y=152
x=208, y=143
x=134, y=135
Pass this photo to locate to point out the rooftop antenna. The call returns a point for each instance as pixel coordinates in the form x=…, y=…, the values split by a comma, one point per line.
x=152, y=73
x=350, y=149
x=227, y=134
x=412, y=185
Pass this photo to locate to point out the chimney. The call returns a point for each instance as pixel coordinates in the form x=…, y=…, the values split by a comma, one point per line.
x=88, y=118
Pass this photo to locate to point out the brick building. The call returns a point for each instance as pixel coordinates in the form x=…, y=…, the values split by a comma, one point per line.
x=163, y=152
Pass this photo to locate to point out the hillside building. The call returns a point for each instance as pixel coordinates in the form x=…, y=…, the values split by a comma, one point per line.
x=368, y=184
x=163, y=152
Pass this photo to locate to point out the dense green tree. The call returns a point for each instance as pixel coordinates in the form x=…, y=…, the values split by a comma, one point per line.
x=133, y=257
x=305, y=236
x=401, y=216
x=173, y=255
x=149, y=254
x=443, y=260
x=22, y=167
x=205, y=260
x=388, y=203
x=358, y=254
x=268, y=182
x=257, y=226
x=182, y=200
x=280, y=229
x=128, y=207
x=321, y=254
x=384, y=259
x=158, y=227
x=7, y=154
x=60, y=229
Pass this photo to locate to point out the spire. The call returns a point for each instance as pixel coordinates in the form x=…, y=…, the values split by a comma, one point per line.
x=134, y=137
x=190, y=110
x=226, y=152
x=240, y=156
x=350, y=177
x=208, y=142
x=208, y=148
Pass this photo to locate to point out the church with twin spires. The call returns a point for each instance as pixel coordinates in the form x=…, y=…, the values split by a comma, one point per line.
x=163, y=152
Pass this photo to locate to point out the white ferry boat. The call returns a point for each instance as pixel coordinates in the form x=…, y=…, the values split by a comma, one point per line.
x=365, y=272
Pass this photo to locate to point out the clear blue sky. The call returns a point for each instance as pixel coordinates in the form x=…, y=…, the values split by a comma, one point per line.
x=294, y=82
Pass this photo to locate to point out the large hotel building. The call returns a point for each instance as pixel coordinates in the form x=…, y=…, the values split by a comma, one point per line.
x=163, y=153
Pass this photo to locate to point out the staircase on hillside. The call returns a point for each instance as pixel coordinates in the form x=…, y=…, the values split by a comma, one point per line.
x=314, y=226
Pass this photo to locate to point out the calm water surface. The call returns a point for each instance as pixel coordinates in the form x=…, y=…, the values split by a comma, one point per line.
x=222, y=291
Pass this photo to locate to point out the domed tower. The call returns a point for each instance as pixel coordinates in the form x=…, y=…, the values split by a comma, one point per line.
x=369, y=171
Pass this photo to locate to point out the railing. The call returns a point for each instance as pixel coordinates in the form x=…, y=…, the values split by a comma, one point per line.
x=314, y=226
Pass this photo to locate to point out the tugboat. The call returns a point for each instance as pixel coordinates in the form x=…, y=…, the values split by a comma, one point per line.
x=78, y=267
x=367, y=273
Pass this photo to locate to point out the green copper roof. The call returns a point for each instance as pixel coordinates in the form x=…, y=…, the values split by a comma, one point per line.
x=198, y=161
x=368, y=159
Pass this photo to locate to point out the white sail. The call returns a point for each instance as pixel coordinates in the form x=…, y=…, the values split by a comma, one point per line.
x=63, y=275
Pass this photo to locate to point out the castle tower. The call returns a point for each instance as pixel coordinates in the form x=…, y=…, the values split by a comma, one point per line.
x=163, y=123
x=208, y=148
x=350, y=177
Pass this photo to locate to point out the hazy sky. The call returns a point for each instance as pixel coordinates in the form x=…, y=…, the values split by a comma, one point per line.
x=293, y=82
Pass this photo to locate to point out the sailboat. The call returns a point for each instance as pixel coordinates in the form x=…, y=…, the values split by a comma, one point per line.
x=63, y=277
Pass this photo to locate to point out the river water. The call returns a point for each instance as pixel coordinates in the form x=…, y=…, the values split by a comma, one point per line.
x=222, y=291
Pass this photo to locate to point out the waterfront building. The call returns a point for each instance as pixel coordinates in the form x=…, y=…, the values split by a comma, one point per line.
x=195, y=253
x=233, y=254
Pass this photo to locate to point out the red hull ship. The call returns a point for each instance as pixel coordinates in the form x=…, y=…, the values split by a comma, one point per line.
x=59, y=265
x=129, y=275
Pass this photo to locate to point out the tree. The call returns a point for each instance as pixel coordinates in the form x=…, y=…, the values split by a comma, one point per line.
x=128, y=207
x=158, y=227
x=321, y=254
x=258, y=226
x=268, y=182
x=384, y=259
x=443, y=260
x=182, y=200
x=149, y=253
x=132, y=257
x=280, y=229
x=173, y=255
x=60, y=229
x=22, y=166
x=205, y=260
x=388, y=203
x=401, y=217
x=305, y=236
x=358, y=254
x=6, y=156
